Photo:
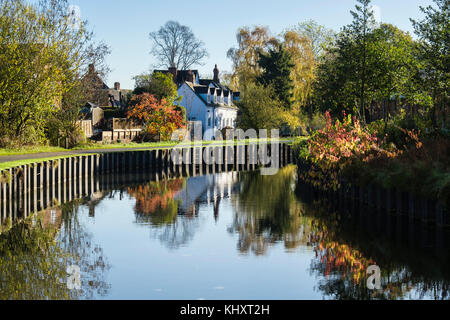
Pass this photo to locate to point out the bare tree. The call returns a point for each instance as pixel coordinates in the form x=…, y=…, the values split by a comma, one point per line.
x=175, y=45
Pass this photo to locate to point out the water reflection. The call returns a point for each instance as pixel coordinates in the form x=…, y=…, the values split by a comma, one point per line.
x=266, y=212
x=220, y=219
x=345, y=244
x=35, y=254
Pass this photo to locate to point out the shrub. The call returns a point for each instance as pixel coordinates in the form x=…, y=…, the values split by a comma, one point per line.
x=341, y=148
x=157, y=117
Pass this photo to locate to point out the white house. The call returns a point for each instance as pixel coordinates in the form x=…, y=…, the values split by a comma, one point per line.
x=207, y=101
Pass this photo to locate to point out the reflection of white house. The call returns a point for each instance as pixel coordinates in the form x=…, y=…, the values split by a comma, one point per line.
x=206, y=189
x=206, y=101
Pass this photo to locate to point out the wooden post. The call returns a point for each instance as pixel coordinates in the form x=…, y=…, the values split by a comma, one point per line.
x=424, y=210
x=439, y=215
x=388, y=200
x=25, y=190
x=399, y=200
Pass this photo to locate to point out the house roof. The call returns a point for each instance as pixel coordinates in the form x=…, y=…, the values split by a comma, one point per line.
x=199, y=89
x=182, y=75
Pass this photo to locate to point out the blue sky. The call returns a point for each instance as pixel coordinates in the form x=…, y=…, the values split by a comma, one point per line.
x=125, y=25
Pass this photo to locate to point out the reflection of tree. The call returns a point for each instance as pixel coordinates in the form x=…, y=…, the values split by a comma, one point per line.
x=32, y=264
x=267, y=212
x=155, y=201
x=343, y=255
x=155, y=205
x=35, y=254
x=77, y=242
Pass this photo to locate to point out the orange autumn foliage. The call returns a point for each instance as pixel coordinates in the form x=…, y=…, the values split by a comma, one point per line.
x=158, y=117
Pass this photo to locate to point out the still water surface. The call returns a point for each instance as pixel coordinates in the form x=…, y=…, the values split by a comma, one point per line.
x=223, y=236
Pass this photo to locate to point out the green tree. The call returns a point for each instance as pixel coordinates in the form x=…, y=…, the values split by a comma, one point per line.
x=43, y=54
x=259, y=108
x=277, y=67
x=363, y=22
x=158, y=84
x=380, y=60
x=391, y=65
x=434, y=34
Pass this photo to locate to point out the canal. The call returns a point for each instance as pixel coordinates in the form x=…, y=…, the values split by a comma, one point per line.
x=221, y=235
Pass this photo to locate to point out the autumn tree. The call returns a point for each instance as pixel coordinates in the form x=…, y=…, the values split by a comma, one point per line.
x=245, y=57
x=176, y=46
x=304, y=67
x=319, y=37
x=158, y=117
x=43, y=55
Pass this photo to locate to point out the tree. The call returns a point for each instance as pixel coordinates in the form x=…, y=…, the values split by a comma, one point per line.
x=259, y=108
x=42, y=57
x=434, y=34
x=391, y=63
x=319, y=36
x=390, y=67
x=158, y=117
x=176, y=46
x=304, y=66
x=277, y=67
x=245, y=57
x=158, y=84
x=357, y=32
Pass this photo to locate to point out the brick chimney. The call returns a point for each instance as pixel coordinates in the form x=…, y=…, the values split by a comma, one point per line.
x=216, y=74
x=190, y=76
x=117, y=86
x=91, y=68
x=174, y=72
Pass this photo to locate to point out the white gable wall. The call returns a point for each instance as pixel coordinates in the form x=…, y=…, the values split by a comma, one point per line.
x=196, y=109
x=211, y=118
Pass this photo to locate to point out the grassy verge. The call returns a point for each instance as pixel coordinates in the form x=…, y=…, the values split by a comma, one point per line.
x=12, y=164
x=30, y=150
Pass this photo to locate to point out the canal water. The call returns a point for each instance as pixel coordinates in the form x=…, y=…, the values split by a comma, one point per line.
x=231, y=235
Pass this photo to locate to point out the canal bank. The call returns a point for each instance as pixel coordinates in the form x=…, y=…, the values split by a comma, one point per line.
x=33, y=187
x=374, y=198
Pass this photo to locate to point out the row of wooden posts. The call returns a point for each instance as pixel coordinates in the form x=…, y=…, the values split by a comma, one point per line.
x=33, y=187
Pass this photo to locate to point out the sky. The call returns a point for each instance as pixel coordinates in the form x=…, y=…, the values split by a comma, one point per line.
x=125, y=25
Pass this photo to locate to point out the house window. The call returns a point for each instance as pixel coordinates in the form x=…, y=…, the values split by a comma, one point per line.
x=209, y=122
